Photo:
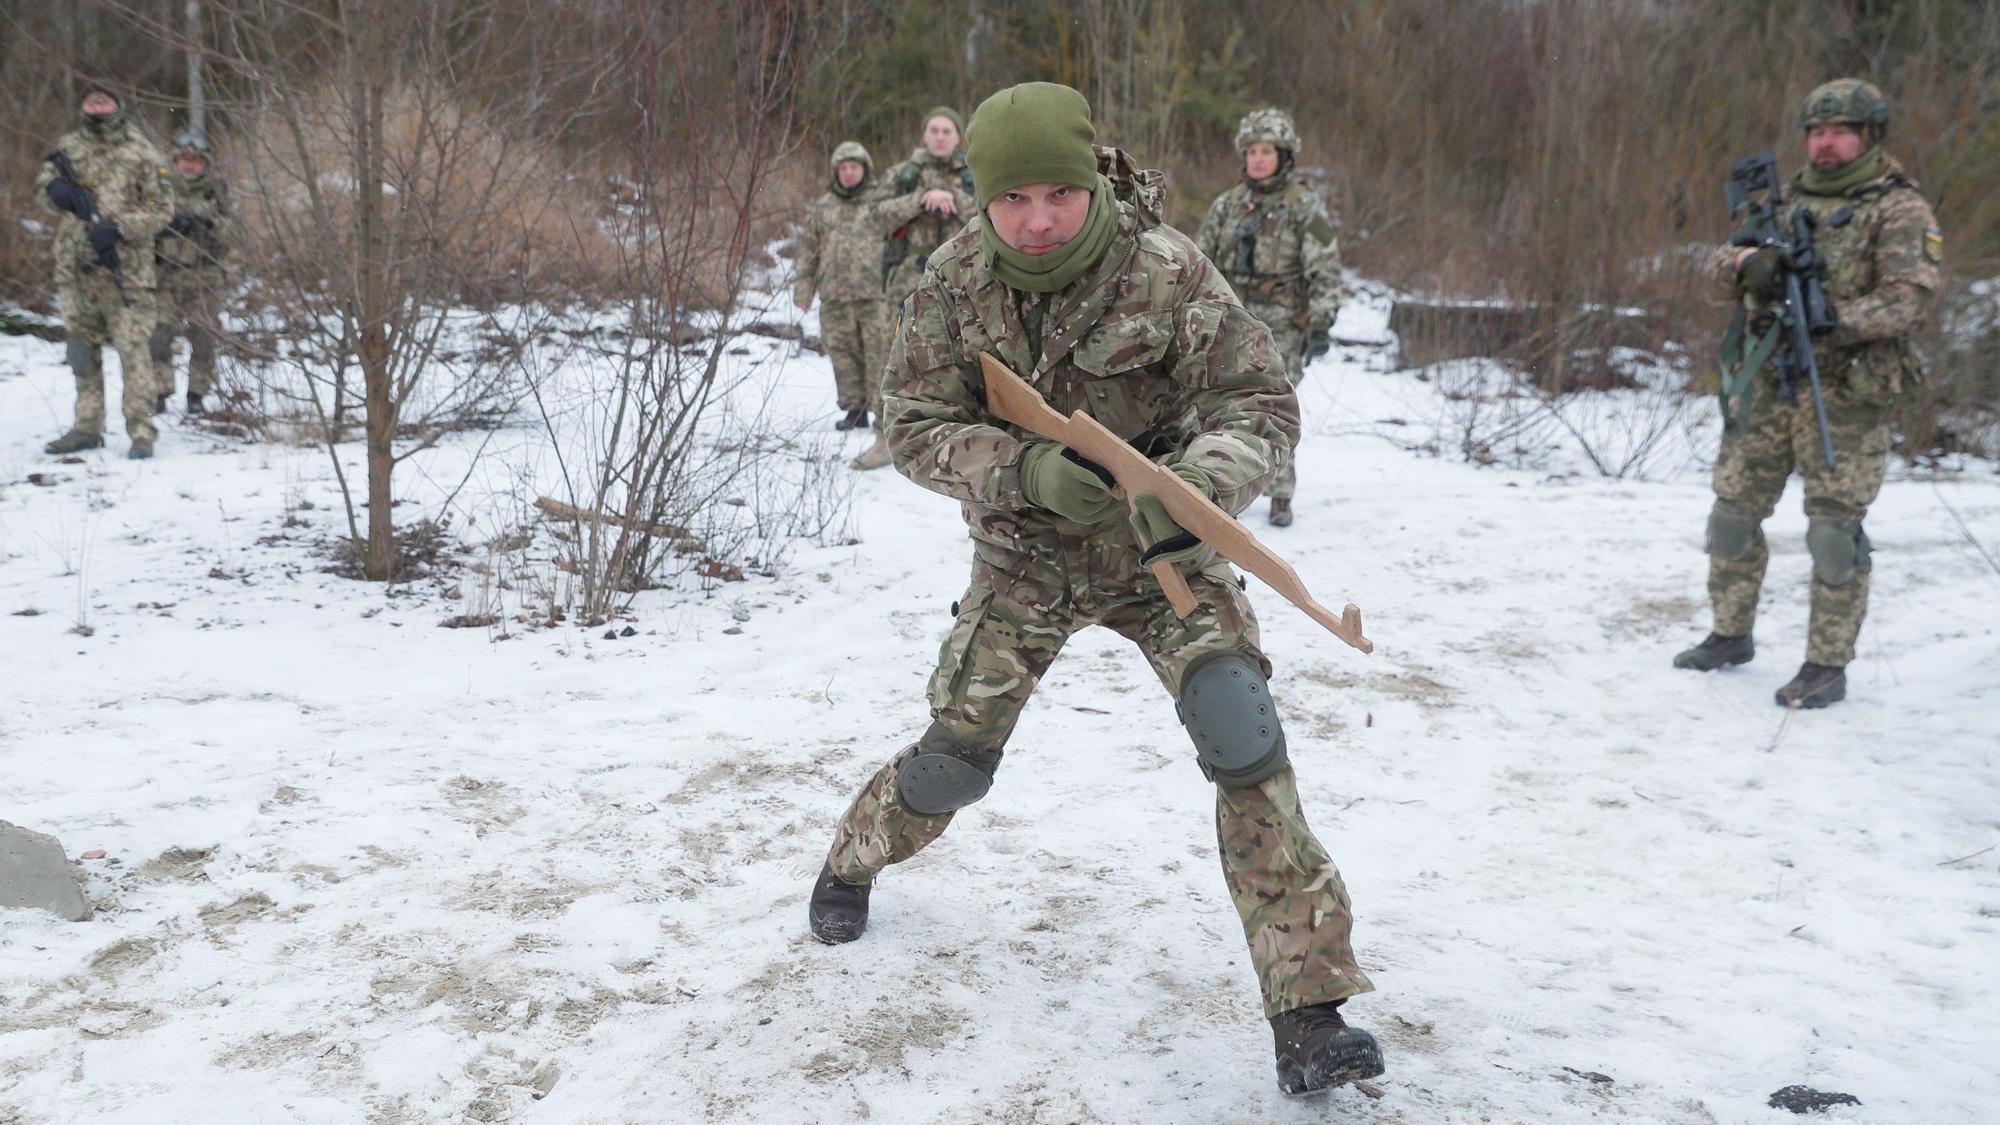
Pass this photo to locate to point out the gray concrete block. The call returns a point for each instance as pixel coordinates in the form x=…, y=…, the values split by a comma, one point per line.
x=35, y=873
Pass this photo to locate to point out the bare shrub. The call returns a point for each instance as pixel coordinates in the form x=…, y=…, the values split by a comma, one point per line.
x=667, y=433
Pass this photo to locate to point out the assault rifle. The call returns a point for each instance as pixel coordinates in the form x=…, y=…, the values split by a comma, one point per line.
x=87, y=211
x=1754, y=198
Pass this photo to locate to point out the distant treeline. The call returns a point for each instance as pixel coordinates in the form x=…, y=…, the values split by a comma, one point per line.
x=1563, y=152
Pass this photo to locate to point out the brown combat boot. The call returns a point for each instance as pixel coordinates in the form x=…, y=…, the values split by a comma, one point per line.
x=1318, y=1051
x=142, y=449
x=75, y=441
x=838, y=911
x=1281, y=513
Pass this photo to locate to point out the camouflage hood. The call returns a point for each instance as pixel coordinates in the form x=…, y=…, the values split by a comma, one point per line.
x=1144, y=189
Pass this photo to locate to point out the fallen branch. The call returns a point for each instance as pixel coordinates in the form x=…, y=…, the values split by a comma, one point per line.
x=1974, y=855
x=668, y=531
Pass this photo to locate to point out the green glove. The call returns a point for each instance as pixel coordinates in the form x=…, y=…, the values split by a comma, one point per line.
x=1054, y=477
x=1763, y=275
x=1163, y=540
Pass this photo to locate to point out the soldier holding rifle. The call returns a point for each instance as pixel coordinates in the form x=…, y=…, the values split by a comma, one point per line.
x=1808, y=378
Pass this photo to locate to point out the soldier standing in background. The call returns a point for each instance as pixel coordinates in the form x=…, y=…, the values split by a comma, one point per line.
x=937, y=169
x=1272, y=239
x=840, y=258
x=191, y=273
x=106, y=181
x=1884, y=258
x=1073, y=280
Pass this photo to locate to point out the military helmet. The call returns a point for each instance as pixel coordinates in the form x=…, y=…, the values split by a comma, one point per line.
x=191, y=140
x=1272, y=124
x=851, y=150
x=1847, y=101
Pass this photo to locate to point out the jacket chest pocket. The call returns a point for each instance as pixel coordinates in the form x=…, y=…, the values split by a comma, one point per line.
x=1844, y=250
x=1121, y=374
x=1274, y=244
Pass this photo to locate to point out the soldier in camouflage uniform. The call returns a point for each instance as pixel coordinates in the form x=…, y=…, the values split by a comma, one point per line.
x=840, y=258
x=119, y=171
x=1074, y=281
x=191, y=274
x=1272, y=239
x=1884, y=258
x=937, y=170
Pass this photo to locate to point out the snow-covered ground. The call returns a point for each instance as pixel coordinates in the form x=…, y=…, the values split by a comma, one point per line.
x=363, y=869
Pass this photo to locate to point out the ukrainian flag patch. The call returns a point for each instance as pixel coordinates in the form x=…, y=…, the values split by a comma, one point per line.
x=1934, y=245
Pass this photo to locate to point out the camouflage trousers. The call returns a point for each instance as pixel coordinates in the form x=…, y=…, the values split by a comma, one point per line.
x=1290, y=342
x=1750, y=474
x=190, y=305
x=1011, y=623
x=95, y=313
x=856, y=335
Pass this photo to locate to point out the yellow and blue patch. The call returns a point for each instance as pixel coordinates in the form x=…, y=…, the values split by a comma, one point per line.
x=1934, y=245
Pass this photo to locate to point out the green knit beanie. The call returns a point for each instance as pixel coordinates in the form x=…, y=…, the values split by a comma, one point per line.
x=1034, y=133
x=948, y=114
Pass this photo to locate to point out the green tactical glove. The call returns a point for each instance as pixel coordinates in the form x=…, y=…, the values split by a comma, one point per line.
x=1763, y=275
x=1163, y=540
x=1054, y=477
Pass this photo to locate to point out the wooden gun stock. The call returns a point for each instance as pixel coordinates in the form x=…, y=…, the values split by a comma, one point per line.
x=1012, y=399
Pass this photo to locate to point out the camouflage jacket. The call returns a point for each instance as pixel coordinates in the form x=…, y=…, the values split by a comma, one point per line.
x=1278, y=251
x=1150, y=342
x=1884, y=259
x=840, y=250
x=914, y=241
x=124, y=171
x=206, y=198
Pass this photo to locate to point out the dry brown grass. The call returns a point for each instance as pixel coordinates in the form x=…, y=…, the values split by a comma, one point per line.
x=478, y=206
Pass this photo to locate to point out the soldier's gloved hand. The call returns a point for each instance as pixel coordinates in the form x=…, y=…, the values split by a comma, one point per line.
x=1319, y=341
x=184, y=224
x=103, y=235
x=1054, y=477
x=1762, y=274
x=1161, y=538
x=66, y=196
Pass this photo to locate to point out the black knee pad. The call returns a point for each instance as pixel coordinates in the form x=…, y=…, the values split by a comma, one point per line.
x=945, y=775
x=1731, y=531
x=1227, y=709
x=81, y=357
x=1839, y=549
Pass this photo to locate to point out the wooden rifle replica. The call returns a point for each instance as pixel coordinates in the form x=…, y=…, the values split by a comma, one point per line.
x=1012, y=399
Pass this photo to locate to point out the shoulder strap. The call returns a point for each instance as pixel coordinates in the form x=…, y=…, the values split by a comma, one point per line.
x=1320, y=227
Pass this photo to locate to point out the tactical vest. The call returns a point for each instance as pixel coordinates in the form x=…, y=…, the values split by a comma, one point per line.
x=1284, y=288
x=1751, y=341
x=897, y=247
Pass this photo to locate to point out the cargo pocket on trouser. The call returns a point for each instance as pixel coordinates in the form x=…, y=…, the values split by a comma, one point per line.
x=953, y=665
